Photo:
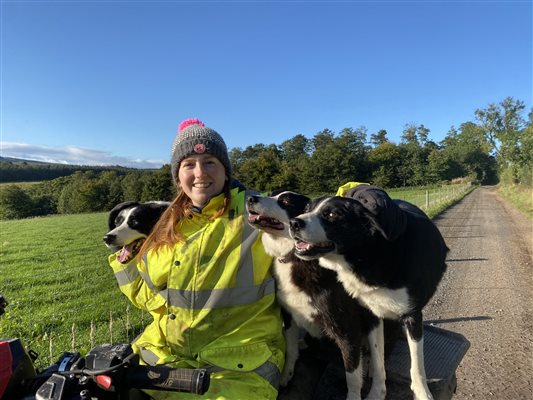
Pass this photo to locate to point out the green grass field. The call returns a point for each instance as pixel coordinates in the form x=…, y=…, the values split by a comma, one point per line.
x=62, y=293
x=55, y=276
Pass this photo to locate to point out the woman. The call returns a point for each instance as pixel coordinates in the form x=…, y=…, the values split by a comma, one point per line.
x=205, y=278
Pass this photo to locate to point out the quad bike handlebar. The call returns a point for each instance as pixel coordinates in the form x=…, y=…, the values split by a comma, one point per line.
x=111, y=371
x=107, y=372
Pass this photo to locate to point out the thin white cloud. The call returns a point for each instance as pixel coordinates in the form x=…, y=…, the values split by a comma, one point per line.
x=72, y=155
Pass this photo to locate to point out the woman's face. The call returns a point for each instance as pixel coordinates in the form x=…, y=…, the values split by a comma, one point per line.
x=201, y=177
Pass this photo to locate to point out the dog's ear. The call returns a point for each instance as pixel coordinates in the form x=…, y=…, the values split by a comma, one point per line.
x=275, y=192
x=118, y=208
x=388, y=218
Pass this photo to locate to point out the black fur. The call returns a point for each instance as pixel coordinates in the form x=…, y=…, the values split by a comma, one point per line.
x=374, y=242
x=333, y=312
x=379, y=253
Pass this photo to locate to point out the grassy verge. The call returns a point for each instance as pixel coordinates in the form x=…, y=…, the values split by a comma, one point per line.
x=433, y=200
x=62, y=294
x=520, y=196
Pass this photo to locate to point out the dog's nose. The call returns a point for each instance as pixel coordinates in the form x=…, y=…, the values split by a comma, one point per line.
x=109, y=239
x=296, y=224
x=253, y=199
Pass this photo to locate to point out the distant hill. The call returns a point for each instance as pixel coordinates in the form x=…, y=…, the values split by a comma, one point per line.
x=20, y=170
x=21, y=161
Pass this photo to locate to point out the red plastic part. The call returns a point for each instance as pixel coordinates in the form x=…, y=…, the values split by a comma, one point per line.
x=6, y=366
x=104, y=381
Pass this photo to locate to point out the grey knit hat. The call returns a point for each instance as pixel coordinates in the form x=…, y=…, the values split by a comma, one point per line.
x=194, y=137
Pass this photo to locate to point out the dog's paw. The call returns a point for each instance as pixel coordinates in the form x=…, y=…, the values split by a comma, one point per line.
x=353, y=396
x=377, y=393
x=286, y=376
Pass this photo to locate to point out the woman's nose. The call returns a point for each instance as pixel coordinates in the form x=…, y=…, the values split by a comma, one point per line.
x=199, y=170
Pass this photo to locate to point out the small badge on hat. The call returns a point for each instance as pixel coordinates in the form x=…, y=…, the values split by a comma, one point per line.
x=199, y=148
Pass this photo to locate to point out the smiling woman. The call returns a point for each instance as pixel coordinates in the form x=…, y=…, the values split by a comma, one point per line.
x=205, y=278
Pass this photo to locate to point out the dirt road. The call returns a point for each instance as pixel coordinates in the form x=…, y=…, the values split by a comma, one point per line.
x=487, y=295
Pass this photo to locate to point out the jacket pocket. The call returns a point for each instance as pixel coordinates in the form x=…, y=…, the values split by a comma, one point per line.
x=243, y=358
x=156, y=302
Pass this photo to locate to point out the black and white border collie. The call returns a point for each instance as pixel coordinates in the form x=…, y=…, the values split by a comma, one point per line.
x=314, y=297
x=387, y=253
x=129, y=224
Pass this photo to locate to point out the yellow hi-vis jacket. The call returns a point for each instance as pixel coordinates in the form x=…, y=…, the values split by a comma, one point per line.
x=213, y=302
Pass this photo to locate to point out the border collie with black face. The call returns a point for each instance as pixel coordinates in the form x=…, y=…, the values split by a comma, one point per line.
x=129, y=224
x=314, y=298
x=387, y=253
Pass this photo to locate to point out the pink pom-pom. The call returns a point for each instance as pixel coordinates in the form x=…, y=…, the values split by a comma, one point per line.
x=187, y=122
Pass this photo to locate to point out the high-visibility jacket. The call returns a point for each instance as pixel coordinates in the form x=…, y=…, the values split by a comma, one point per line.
x=343, y=190
x=212, y=299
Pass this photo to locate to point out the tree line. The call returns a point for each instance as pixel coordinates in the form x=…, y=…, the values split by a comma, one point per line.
x=497, y=146
x=13, y=170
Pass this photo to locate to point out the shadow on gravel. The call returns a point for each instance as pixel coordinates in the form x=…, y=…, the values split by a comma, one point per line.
x=461, y=319
x=466, y=259
x=463, y=237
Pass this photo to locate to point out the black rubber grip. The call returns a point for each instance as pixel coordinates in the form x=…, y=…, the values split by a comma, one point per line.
x=194, y=381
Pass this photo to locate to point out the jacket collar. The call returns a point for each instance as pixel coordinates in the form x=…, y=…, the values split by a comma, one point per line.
x=211, y=208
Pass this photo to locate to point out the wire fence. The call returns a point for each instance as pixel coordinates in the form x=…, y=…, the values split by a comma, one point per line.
x=432, y=198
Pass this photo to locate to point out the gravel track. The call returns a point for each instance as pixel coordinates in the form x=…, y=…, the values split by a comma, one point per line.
x=487, y=295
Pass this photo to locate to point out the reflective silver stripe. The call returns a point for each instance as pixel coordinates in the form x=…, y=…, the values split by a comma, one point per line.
x=245, y=275
x=219, y=298
x=268, y=371
x=127, y=275
x=146, y=277
x=148, y=356
x=148, y=281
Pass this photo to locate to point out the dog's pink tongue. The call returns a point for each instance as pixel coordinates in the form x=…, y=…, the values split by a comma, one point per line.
x=124, y=255
x=303, y=245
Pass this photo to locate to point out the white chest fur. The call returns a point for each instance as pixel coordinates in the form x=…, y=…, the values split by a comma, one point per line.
x=294, y=300
x=383, y=302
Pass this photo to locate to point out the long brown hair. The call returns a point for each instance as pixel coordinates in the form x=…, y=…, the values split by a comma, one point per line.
x=165, y=231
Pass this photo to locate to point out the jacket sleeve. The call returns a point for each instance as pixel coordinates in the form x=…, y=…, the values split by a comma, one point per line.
x=130, y=281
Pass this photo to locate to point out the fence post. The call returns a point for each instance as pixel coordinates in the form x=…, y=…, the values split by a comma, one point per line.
x=73, y=343
x=91, y=335
x=427, y=199
x=50, y=349
x=111, y=326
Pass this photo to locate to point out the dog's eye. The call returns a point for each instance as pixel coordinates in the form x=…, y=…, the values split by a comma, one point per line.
x=133, y=222
x=331, y=215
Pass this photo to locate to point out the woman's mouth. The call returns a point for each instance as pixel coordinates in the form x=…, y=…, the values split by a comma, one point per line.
x=201, y=185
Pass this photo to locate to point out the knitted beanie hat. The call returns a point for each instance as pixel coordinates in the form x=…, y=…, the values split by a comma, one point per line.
x=194, y=137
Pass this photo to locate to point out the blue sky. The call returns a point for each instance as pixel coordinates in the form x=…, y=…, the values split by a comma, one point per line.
x=107, y=82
